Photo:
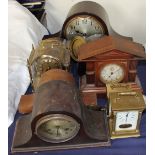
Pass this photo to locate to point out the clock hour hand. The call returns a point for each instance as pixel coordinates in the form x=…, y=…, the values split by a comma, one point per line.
x=83, y=34
x=57, y=127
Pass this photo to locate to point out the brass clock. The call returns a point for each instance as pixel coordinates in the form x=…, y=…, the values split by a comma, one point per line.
x=125, y=109
x=51, y=53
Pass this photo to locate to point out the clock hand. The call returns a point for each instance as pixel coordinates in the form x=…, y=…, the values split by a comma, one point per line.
x=116, y=70
x=58, y=130
x=84, y=34
x=127, y=116
x=113, y=72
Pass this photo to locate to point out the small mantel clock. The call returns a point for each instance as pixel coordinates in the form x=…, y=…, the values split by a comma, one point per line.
x=109, y=60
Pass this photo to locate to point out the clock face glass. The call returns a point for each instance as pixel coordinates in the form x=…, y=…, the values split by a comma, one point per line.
x=59, y=128
x=126, y=120
x=83, y=25
x=111, y=73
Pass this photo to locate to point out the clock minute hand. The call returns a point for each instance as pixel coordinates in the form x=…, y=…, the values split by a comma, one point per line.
x=127, y=116
x=117, y=70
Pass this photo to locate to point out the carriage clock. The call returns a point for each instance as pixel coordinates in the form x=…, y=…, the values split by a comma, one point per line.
x=125, y=113
x=85, y=21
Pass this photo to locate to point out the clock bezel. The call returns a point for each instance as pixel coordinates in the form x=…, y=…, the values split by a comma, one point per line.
x=116, y=81
x=100, y=65
x=50, y=117
x=124, y=133
x=98, y=19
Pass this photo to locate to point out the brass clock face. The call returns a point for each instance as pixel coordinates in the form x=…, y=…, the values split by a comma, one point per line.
x=57, y=128
x=126, y=120
x=83, y=25
x=111, y=73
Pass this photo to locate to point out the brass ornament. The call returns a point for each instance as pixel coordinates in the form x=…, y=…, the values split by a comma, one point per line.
x=50, y=54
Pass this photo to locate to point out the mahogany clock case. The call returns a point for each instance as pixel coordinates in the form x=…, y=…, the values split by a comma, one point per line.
x=109, y=50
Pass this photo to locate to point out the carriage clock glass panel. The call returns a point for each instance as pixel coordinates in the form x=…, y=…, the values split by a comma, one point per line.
x=111, y=73
x=126, y=120
x=83, y=25
x=57, y=128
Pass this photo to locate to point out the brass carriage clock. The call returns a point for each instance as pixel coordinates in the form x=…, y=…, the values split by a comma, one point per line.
x=125, y=113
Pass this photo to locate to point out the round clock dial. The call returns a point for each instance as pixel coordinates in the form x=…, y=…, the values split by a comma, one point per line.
x=83, y=25
x=57, y=128
x=111, y=73
x=126, y=120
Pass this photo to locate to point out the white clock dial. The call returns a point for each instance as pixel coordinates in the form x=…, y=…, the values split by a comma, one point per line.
x=126, y=120
x=83, y=25
x=111, y=73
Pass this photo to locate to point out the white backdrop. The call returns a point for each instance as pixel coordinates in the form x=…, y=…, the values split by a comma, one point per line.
x=23, y=31
x=127, y=17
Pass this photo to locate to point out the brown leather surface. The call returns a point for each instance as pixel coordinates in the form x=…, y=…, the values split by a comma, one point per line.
x=107, y=44
x=56, y=74
x=26, y=103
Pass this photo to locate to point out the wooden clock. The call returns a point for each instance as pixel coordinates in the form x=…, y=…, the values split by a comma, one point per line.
x=125, y=113
x=88, y=20
x=108, y=60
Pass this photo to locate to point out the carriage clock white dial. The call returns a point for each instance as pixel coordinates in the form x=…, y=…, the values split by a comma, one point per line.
x=111, y=73
x=83, y=25
x=126, y=120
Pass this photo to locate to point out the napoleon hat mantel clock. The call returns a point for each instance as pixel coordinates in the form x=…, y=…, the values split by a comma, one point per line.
x=59, y=119
x=87, y=20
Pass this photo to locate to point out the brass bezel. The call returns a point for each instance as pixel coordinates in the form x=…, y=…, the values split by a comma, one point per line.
x=81, y=17
x=56, y=117
x=124, y=133
x=104, y=65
